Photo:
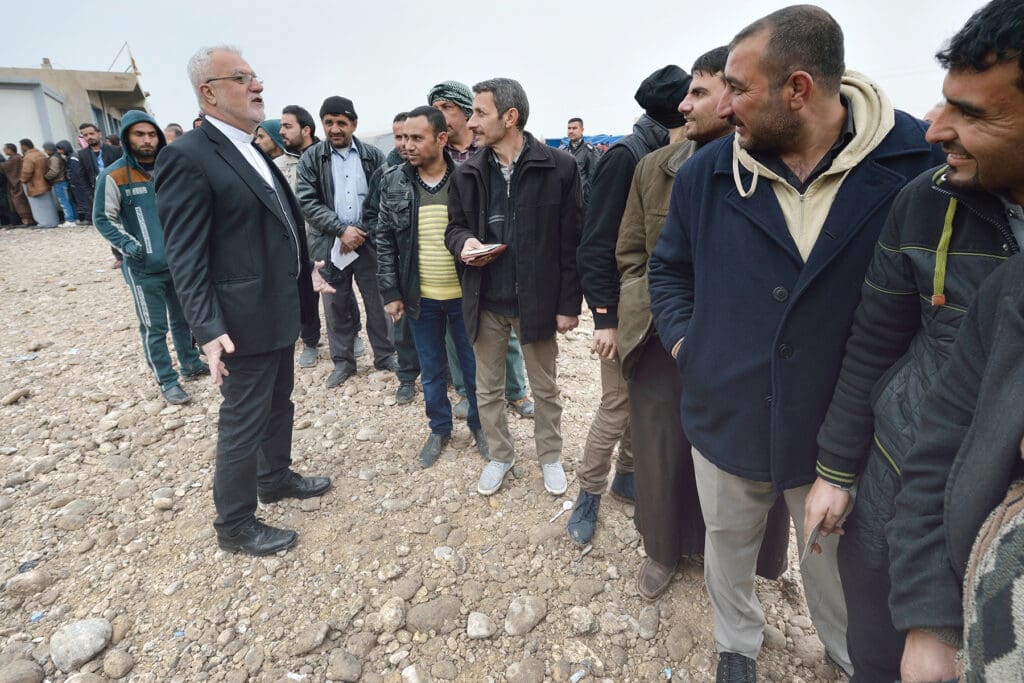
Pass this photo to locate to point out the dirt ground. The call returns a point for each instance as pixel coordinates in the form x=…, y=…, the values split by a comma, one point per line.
x=400, y=574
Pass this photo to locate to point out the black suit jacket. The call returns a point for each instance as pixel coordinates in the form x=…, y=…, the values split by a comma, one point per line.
x=89, y=171
x=240, y=266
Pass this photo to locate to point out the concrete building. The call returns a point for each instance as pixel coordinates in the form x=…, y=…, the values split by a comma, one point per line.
x=48, y=104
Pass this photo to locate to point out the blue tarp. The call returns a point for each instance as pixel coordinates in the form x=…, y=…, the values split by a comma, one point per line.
x=592, y=139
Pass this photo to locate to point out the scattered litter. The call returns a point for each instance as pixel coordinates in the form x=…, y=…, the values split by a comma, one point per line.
x=296, y=677
x=73, y=352
x=27, y=566
x=179, y=634
x=36, y=617
x=23, y=358
x=578, y=676
x=667, y=673
x=486, y=550
x=566, y=506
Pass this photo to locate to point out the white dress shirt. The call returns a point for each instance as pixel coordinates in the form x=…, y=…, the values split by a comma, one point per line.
x=243, y=141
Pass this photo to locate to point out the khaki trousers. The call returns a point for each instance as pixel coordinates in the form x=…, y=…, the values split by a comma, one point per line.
x=610, y=426
x=490, y=348
x=735, y=510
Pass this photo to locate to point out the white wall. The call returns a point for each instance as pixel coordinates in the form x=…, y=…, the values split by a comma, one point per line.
x=21, y=119
x=58, y=122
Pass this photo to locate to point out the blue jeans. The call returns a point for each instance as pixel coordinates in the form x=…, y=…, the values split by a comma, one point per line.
x=61, y=191
x=428, y=333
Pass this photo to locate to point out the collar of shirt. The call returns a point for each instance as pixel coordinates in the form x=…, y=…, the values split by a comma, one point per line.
x=243, y=141
x=343, y=152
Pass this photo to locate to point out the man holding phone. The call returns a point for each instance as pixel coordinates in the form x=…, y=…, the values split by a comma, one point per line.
x=526, y=196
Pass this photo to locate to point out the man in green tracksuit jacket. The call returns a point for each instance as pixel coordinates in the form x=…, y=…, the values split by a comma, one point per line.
x=124, y=211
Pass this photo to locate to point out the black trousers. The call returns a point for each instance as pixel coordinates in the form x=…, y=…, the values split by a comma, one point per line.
x=875, y=645
x=667, y=512
x=405, y=347
x=309, y=333
x=342, y=315
x=254, y=433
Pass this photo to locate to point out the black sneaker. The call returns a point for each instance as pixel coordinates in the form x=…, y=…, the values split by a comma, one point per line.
x=405, y=393
x=198, y=372
x=176, y=396
x=584, y=518
x=735, y=668
x=339, y=376
x=431, y=450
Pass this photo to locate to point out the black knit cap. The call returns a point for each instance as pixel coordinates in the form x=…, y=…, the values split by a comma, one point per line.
x=338, y=105
x=661, y=93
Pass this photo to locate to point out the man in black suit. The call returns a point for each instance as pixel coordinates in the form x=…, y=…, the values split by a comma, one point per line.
x=92, y=160
x=237, y=252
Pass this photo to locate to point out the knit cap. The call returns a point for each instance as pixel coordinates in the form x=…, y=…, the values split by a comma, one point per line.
x=455, y=92
x=660, y=95
x=272, y=127
x=338, y=105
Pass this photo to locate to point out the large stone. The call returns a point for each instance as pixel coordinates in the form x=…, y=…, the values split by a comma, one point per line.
x=437, y=615
x=117, y=664
x=21, y=671
x=774, y=639
x=415, y=673
x=29, y=583
x=584, y=590
x=344, y=666
x=524, y=613
x=581, y=619
x=77, y=643
x=529, y=670
x=86, y=678
x=309, y=639
x=649, y=620
x=392, y=615
x=679, y=642
x=479, y=626
x=809, y=649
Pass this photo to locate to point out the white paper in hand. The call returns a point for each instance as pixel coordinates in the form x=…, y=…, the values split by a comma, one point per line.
x=341, y=261
x=815, y=534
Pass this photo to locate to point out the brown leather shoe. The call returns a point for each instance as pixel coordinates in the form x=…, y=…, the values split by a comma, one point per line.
x=653, y=578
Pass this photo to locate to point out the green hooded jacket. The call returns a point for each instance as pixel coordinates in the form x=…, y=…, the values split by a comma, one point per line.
x=124, y=208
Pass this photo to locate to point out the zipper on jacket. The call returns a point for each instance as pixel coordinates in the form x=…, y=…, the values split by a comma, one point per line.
x=1010, y=242
x=884, y=452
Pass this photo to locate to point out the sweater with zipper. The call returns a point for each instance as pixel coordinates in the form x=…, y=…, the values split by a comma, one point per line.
x=124, y=207
x=938, y=245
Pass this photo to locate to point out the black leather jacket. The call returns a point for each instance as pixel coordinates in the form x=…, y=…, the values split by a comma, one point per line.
x=397, y=222
x=315, y=192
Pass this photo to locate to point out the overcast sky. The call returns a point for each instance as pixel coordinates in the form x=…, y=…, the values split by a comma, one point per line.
x=574, y=59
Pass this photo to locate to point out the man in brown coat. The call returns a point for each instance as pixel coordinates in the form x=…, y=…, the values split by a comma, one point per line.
x=33, y=177
x=16, y=195
x=668, y=512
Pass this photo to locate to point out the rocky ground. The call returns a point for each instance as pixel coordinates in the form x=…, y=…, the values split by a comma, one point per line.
x=110, y=569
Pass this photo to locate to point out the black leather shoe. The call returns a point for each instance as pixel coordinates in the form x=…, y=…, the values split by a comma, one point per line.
x=257, y=538
x=296, y=486
x=390, y=363
x=735, y=668
x=431, y=450
x=406, y=392
x=339, y=376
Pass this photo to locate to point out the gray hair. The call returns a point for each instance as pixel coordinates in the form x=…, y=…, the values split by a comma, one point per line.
x=507, y=94
x=199, y=65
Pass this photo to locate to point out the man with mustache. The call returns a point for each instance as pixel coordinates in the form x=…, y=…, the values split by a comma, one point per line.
x=237, y=251
x=124, y=212
x=753, y=284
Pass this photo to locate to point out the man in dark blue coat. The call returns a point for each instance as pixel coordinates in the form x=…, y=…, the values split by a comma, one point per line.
x=753, y=286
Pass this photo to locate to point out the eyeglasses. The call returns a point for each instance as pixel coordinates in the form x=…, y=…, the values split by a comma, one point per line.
x=240, y=79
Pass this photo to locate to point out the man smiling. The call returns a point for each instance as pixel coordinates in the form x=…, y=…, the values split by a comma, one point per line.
x=753, y=286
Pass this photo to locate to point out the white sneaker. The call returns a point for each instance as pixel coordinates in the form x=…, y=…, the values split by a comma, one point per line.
x=554, y=478
x=67, y=224
x=492, y=476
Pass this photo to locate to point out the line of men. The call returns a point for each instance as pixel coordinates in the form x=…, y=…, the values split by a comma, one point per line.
x=806, y=277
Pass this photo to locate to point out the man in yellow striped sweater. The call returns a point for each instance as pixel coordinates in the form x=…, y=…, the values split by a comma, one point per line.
x=417, y=273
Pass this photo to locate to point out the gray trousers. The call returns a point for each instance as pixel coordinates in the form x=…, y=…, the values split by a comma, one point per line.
x=342, y=316
x=735, y=510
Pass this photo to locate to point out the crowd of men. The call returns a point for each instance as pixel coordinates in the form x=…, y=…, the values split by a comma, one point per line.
x=807, y=308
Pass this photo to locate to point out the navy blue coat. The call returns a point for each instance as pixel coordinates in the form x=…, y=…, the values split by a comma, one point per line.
x=765, y=332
